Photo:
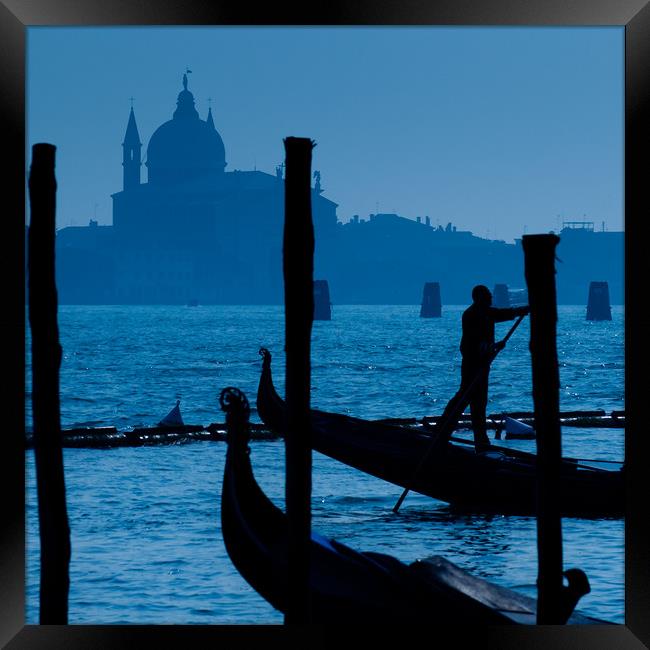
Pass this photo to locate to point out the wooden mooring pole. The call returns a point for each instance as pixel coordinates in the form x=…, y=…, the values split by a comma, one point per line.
x=46, y=362
x=539, y=268
x=501, y=296
x=431, y=306
x=322, y=304
x=298, y=267
x=598, y=305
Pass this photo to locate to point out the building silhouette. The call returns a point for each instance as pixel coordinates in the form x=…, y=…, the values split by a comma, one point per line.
x=192, y=231
x=188, y=230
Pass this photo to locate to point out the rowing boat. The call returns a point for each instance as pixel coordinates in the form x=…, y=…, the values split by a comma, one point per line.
x=499, y=480
x=347, y=586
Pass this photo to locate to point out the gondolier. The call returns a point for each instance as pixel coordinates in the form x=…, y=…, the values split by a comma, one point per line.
x=504, y=481
x=349, y=586
x=476, y=346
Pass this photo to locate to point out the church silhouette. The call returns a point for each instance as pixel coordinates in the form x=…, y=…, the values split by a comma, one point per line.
x=192, y=232
x=195, y=232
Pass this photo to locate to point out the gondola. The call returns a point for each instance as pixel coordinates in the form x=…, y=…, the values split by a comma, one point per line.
x=346, y=586
x=499, y=480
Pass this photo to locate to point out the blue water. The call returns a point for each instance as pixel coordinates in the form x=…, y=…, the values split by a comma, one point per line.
x=145, y=530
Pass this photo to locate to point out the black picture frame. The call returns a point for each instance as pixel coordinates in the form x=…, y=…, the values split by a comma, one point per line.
x=17, y=15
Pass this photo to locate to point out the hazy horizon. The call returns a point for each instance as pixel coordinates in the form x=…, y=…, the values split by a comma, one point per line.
x=500, y=131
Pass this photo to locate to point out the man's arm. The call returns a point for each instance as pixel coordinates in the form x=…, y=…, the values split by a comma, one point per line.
x=518, y=312
x=508, y=313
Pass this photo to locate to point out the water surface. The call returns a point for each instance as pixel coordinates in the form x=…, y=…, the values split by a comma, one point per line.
x=145, y=529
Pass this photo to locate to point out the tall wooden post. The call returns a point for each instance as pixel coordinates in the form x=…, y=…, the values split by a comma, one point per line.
x=46, y=362
x=298, y=267
x=539, y=266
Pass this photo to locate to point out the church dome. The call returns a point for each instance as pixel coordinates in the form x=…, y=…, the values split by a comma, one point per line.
x=186, y=147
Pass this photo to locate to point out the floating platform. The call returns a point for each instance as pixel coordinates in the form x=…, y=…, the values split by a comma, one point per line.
x=496, y=421
x=109, y=437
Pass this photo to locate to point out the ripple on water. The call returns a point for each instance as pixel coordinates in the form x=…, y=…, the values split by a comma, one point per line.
x=146, y=534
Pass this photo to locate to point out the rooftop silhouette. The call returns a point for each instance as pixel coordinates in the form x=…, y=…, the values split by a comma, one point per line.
x=194, y=230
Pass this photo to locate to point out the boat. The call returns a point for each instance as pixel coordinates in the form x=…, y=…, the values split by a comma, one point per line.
x=499, y=480
x=173, y=418
x=516, y=430
x=347, y=586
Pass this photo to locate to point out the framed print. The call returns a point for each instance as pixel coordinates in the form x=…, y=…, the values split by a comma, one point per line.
x=433, y=131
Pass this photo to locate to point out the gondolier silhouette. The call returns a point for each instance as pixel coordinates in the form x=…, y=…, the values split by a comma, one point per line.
x=477, y=346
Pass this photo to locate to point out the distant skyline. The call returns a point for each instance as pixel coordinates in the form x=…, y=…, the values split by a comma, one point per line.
x=501, y=131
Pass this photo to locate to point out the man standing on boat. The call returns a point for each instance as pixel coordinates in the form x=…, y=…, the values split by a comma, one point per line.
x=476, y=347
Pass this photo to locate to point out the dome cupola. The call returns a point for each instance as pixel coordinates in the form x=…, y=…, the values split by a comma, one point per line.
x=185, y=148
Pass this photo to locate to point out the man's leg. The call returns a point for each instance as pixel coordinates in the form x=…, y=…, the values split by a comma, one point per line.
x=451, y=405
x=478, y=406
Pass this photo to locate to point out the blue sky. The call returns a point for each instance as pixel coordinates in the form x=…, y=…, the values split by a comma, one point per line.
x=502, y=131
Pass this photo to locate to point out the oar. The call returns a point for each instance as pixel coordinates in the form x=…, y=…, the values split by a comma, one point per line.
x=446, y=426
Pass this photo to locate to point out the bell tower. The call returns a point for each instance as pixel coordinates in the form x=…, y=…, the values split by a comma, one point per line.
x=131, y=154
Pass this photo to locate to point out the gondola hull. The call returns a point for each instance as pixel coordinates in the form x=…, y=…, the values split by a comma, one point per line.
x=346, y=586
x=500, y=480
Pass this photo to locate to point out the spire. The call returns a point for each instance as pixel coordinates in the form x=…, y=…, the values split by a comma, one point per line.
x=132, y=137
x=131, y=153
x=209, y=120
